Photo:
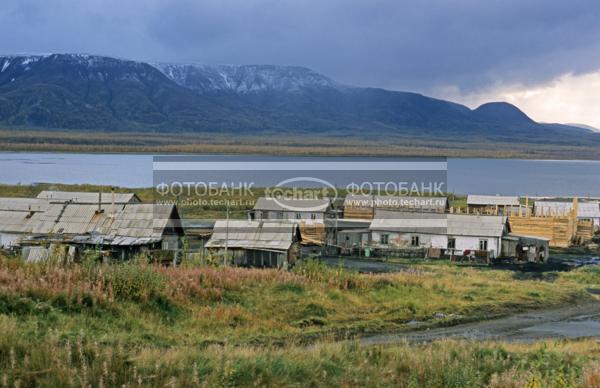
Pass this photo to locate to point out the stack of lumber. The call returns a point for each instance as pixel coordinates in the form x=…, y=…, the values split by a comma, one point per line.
x=312, y=233
x=585, y=231
x=561, y=231
x=358, y=212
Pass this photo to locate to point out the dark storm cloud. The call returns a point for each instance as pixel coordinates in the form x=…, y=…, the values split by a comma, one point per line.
x=416, y=45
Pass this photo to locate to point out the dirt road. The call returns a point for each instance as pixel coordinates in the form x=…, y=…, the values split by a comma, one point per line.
x=567, y=322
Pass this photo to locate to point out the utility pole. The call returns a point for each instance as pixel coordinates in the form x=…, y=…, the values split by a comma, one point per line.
x=226, y=232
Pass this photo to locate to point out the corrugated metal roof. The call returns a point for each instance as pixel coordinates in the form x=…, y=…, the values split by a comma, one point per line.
x=476, y=225
x=296, y=205
x=15, y=213
x=13, y=222
x=129, y=224
x=410, y=222
x=23, y=204
x=493, y=200
x=555, y=208
x=87, y=197
x=437, y=204
x=277, y=236
x=432, y=223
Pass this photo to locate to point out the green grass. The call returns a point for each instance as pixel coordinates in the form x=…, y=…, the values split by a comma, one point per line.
x=147, y=305
x=83, y=361
x=66, y=325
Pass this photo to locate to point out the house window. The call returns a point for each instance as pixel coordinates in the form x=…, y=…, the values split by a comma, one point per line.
x=483, y=245
x=414, y=241
x=280, y=215
x=313, y=216
x=384, y=239
x=298, y=216
x=451, y=243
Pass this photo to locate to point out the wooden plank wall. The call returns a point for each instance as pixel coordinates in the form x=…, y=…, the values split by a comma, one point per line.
x=585, y=231
x=358, y=212
x=313, y=233
x=560, y=231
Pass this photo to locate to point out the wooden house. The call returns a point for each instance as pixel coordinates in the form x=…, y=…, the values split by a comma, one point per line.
x=492, y=204
x=291, y=209
x=250, y=243
x=119, y=230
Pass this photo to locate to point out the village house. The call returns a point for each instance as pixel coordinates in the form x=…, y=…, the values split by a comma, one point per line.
x=291, y=209
x=120, y=230
x=364, y=206
x=454, y=234
x=249, y=243
x=315, y=218
x=492, y=204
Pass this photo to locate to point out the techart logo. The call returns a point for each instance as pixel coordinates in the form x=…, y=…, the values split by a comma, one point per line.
x=303, y=194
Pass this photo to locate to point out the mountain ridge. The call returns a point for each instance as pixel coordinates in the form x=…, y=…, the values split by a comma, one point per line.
x=83, y=91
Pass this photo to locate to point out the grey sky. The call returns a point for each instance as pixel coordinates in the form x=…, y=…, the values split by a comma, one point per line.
x=406, y=45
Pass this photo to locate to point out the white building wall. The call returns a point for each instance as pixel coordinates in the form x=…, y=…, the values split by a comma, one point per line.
x=8, y=239
x=288, y=215
x=463, y=243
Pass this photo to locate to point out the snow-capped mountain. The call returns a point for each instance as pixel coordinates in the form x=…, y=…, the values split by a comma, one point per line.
x=83, y=65
x=79, y=91
x=244, y=79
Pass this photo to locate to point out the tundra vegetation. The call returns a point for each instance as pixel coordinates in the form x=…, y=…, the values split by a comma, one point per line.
x=335, y=143
x=136, y=323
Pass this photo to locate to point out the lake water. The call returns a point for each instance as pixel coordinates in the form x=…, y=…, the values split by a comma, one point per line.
x=481, y=176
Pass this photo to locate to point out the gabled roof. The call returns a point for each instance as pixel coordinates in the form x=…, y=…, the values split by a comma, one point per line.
x=121, y=224
x=318, y=205
x=263, y=235
x=477, y=225
x=437, y=204
x=410, y=222
x=87, y=197
x=444, y=224
x=557, y=208
x=493, y=200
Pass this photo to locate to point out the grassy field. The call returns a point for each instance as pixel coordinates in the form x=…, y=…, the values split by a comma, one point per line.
x=102, y=324
x=334, y=144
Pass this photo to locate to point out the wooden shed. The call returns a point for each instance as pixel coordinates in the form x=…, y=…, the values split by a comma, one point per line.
x=272, y=244
x=492, y=204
